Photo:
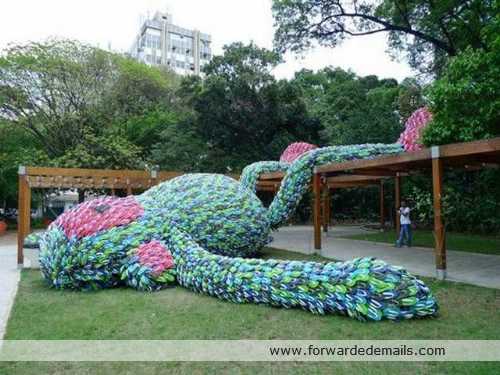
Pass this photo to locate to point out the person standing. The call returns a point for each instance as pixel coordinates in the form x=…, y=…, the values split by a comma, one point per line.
x=405, y=221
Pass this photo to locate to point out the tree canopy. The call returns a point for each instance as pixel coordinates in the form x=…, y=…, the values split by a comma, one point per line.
x=69, y=97
x=465, y=101
x=354, y=109
x=242, y=113
x=427, y=32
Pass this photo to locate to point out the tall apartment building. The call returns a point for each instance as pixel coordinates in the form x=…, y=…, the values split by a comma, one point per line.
x=160, y=42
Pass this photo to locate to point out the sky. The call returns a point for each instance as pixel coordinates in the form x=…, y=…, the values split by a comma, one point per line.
x=114, y=23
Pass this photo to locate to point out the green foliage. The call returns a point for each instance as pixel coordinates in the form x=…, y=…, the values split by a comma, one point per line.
x=241, y=113
x=471, y=202
x=16, y=148
x=63, y=92
x=356, y=109
x=465, y=102
x=139, y=88
x=103, y=151
x=425, y=31
x=145, y=129
x=180, y=148
x=409, y=99
x=63, y=103
x=52, y=89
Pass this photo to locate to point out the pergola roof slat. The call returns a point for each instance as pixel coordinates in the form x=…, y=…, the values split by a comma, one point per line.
x=453, y=154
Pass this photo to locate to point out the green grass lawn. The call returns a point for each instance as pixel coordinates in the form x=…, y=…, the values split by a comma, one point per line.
x=454, y=241
x=467, y=312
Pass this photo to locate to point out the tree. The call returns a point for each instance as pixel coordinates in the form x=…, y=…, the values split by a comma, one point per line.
x=16, y=148
x=410, y=98
x=72, y=97
x=465, y=101
x=53, y=89
x=426, y=31
x=138, y=88
x=242, y=113
x=352, y=109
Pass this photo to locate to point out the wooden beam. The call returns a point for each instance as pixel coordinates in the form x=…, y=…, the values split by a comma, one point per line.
x=439, y=233
x=82, y=172
x=317, y=210
x=382, y=205
x=275, y=184
x=462, y=153
x=377, y=172
x=272, y=176
x=397, y=202
x=266, y=188
x=484, y=147
x=378, y=163
x=354, y=178
x=23, y=214
x=346, y=185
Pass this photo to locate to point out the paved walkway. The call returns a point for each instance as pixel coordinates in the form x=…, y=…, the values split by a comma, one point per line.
x=9, y=277
x=476, y=269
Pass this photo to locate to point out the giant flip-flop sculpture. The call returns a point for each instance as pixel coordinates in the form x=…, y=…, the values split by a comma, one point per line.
x=200, y=230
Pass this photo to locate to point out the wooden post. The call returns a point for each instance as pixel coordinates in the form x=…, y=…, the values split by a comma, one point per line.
x=330, y=207
x=382, y=211
x=317, y=210
x=23, y=214
x=326, y=207
x=439, y=233
x=397, y=201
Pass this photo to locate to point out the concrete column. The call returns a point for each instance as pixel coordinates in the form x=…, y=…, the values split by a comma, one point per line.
x=196, y=51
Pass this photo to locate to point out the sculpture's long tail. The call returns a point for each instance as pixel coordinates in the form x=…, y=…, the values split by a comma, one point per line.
x=365, y=288
x=299, y=173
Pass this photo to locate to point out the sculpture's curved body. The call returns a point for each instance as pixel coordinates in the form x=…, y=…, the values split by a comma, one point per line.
x=199, y=230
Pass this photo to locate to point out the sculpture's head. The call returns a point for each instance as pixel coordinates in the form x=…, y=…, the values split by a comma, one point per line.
x=411, y=137
x=105, y=242
x=295, y=150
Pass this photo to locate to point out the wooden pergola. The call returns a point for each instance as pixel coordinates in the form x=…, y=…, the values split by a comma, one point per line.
x=73, y=178
x=468, y=156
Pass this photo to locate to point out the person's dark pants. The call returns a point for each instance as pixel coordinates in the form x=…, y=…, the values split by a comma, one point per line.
x=404, y=235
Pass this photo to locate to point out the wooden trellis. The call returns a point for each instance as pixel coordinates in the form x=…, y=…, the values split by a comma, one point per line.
x=74, y=178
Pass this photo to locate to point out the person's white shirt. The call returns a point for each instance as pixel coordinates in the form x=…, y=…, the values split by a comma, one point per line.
x=405, y=215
